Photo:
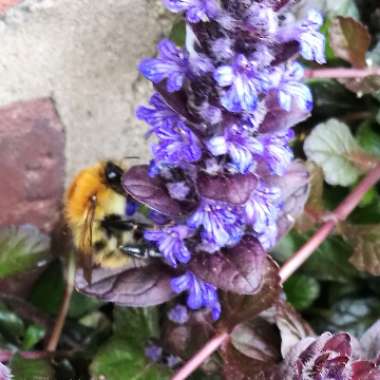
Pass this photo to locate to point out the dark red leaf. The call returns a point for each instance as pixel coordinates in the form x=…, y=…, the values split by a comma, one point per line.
x=258, y=339
x=129, y=286
x=235, y=189
x=149, y=191
x=240, y=308
x=239, y=269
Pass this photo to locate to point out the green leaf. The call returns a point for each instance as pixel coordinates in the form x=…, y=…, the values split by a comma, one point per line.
x=365, y=240
x=301, y=291
x=353, y=315
x=137, y=325
x=178, y=33
x=119, y=359
x=330, y=262
x=368, y=139
x=11, y=325
x=350, y=40
x=332, y=146
x=31, y=369
x=21, y=249
x=48, y=292
x=81, y=304
x=32, y=336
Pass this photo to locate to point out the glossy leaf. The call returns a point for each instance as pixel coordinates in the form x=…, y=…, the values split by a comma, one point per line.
x=330, y=145
x=301, y=291
x=136, y=325
x=239, y=269
x=149, y=191
x=22, y=249
x=258, y=339
x=33, y=335
x=129, y=286
x=118, y=359
x=235, y=189
x=365, y=240
x=240, y=308
x=11, y=325
x=31, y=368
x=350, y=40
x=368, y=139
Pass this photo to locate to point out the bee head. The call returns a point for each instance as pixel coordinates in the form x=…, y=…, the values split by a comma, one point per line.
x=112, y=176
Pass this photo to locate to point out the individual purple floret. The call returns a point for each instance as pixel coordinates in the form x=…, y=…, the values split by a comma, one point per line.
x=200, y=294
x=244, y=82
x=179, y=314
x=222, y=114
x=153, y=353
x=171, y=243
x=171, y=64
x=196, y=10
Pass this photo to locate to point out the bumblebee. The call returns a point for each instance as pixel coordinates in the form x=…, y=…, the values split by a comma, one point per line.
x=96, y=213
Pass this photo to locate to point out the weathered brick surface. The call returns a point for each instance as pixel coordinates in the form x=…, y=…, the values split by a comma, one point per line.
x=5, y=4
x=31, y=164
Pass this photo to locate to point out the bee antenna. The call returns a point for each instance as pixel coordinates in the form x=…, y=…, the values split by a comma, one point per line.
x=132, y=157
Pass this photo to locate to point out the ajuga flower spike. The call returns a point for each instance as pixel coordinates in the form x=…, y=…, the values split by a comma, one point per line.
x=222, y=113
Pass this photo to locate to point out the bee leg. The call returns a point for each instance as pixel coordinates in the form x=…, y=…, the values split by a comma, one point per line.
x=140, y=251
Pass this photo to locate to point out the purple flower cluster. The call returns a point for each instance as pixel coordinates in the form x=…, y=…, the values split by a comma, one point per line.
x=223, y=107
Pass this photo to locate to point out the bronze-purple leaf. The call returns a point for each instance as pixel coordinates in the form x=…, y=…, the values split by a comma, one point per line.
x=235, y=189
x=138, y=287
x=240, y=308
x=295, y=188
x=149, y=191
x=239, y=269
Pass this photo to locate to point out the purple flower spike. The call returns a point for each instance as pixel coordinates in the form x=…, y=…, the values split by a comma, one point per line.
x=241, y=147
x=200, y=294
x=170, y=242
x=179, y=314
x=171, y=64
x=244, y=82
x=216, y=220
x=224, y=139
x=196, y=10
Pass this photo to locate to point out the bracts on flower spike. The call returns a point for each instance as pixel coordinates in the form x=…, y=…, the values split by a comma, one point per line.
x=222, y=114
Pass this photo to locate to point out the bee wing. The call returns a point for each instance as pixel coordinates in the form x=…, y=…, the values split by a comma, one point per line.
x=85, y=244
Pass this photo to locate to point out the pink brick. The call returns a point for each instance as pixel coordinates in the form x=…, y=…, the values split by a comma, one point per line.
x=31, y=164
x=6, y=4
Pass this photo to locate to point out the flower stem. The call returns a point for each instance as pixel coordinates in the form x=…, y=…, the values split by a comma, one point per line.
x=339, y=214
x=294, y=262
x=342, y=72
x=206, y=351
x=60, y=321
